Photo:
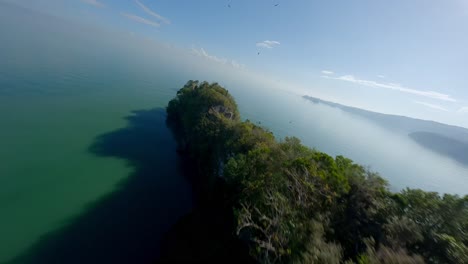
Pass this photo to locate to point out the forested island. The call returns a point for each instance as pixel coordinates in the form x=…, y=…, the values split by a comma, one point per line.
x=263, y=200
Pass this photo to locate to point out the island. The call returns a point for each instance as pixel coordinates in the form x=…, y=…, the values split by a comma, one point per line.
x=443, y=145
x=264, y=200
x=449, y=141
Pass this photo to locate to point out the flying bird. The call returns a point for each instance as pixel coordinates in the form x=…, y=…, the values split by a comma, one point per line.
x=276, y=4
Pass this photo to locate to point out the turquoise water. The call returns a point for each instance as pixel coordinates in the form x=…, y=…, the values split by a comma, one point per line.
x=82, y=173
x=89, y=170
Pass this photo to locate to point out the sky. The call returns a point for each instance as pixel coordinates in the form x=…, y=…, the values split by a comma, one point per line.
x=405, y=57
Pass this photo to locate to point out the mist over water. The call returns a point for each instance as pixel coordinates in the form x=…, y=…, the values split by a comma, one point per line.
x=395, y=156
x=65, y=88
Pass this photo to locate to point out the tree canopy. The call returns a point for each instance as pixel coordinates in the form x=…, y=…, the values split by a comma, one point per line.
x=293, y=204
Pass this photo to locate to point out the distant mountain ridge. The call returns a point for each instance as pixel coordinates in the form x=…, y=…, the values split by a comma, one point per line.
x=404, y=124
x=443, y=145
x=450, y=141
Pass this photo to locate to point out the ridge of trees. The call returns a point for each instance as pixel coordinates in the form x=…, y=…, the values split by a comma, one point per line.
x=293, y=204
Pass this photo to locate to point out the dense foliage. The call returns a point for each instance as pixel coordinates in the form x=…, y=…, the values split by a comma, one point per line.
x=296, y=204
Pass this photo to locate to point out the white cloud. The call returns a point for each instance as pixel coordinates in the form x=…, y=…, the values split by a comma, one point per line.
x=152, y=13
x=433, y=106
x=463, y=110
x=95, y=3
x=327, y=72
x=202, y=53
x=397, y=87
x=141, y=20
x=381, y=76
x=269, y=44
x=237, y=65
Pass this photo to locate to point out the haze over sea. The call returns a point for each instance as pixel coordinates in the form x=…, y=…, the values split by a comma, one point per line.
x=87, y=159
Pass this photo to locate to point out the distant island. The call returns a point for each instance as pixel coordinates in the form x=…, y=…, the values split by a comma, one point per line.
x=447, y=140
x=261, y=200
x=453, y=148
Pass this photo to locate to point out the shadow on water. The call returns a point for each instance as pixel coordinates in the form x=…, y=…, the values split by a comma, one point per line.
x=127, y=225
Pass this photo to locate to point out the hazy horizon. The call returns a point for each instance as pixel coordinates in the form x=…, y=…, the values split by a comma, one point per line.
x=344, y=53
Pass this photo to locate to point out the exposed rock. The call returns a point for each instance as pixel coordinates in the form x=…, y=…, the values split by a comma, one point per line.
x=226, y=112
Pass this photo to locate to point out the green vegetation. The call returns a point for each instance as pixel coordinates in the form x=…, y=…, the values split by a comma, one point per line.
x=293, y=204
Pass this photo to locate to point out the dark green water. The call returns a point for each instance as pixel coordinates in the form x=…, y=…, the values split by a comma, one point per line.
x=88, y=169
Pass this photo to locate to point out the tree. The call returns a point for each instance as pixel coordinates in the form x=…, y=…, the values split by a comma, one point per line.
x=294, y=204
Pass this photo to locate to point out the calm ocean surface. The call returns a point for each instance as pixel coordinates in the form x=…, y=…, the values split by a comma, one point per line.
x=88, y=166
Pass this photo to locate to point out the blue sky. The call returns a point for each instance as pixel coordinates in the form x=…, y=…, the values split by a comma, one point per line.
x=406, y=57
